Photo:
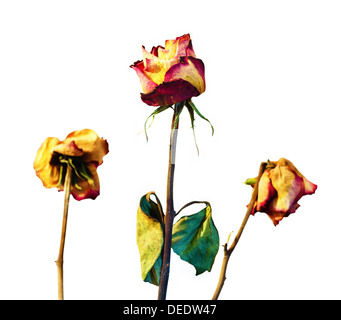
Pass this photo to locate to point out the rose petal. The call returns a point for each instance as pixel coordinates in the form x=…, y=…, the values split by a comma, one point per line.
x=190, y=50
x=189, y=69
x=146, y=83
x=93, y=147
x=88, y=189
x=169, y=93
x=155, y=50
x=180, y=47
x=170, y=49
x=292, y=209
x=156, y=68
x=309, y=187
x=182, y=44
x=47, y=172
x=266, y=192
x=275, y=217
x=68, y=149
x=289, y=187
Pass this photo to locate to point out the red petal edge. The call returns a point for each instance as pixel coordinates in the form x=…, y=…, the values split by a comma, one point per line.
x=91, y=194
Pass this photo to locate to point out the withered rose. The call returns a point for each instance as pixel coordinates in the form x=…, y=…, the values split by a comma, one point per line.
x=84, y=151
x=280, y=187
x=170, y=74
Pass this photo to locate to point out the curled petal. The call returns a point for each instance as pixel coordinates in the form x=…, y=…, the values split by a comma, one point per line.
x=266, y=192
x=180, y=47
x=87, y=140
x=189, y=69
x=146, y=83
x=181, y=44
x=68, y=149
x=163, y=54
x=289, y=187
x=309, y=187
x=190, y=50
x=47, y=172
x=175, y=48
x=275, y=217
x=155, y=68
x=155, y=50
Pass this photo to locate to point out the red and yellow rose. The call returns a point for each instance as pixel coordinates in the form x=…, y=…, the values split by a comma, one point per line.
x=81, y=149
x=170, y=74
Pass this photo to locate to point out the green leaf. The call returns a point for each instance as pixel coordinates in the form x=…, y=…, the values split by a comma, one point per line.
x=149, y=235
x=196, y=240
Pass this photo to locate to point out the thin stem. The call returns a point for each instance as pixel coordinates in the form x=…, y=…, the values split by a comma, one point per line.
x=228, y=251
x=59, y=262
x=170, y=213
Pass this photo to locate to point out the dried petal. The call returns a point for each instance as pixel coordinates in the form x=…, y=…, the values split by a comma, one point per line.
x=83, y=150
x=280, y=188
x=172, y=74
x=47, y=173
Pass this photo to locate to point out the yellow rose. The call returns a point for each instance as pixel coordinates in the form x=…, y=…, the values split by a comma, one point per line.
x=81, y=149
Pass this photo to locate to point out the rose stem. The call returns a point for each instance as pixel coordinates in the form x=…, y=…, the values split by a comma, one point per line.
x=59, y=262
x=170, y=214
x=228, y=252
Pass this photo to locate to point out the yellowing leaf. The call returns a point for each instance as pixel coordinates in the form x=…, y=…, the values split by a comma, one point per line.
x=149, y=234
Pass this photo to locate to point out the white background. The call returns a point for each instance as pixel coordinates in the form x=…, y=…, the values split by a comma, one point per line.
x=273, y=90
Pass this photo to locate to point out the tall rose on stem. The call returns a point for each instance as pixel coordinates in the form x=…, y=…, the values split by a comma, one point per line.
x=170, y=76
x=71, y=166
x=276, y=191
